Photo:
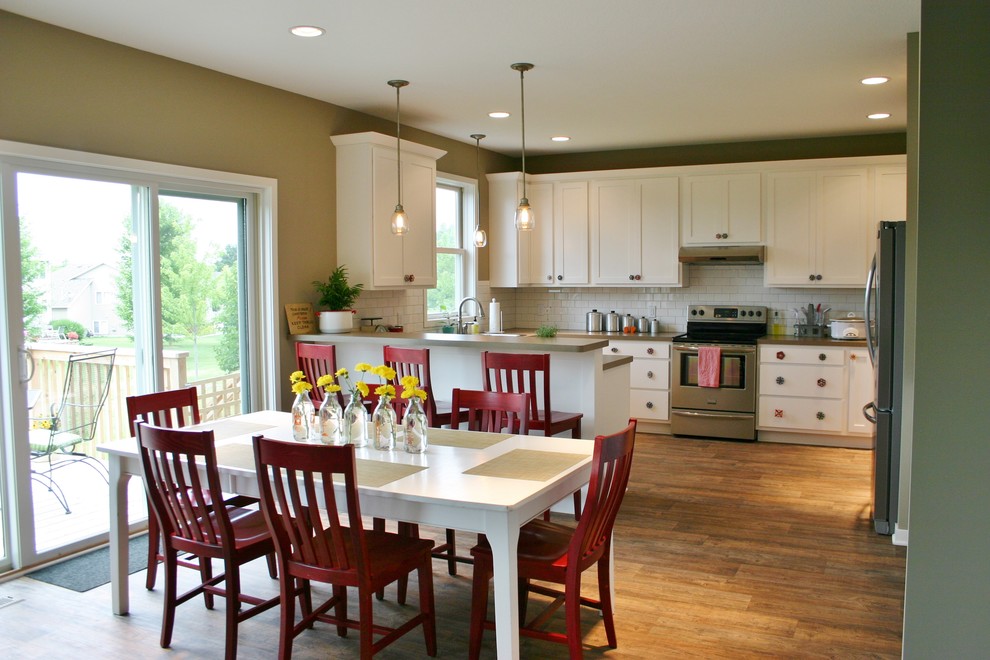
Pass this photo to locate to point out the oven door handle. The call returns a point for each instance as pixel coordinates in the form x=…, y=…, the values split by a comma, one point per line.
x=691, y=413
x=692, y=348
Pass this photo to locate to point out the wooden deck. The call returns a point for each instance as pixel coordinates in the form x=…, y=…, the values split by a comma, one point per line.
x=723, y=550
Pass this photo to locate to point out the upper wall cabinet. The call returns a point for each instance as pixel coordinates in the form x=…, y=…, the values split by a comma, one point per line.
x=367, y=192
x=635, y=230
x=721, y=209
x=555, y=252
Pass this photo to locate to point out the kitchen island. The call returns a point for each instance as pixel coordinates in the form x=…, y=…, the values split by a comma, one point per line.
x=582, y=378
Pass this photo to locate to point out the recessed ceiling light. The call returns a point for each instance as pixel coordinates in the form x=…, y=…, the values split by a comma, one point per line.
x=307, y=31
x=879, y=115
x=875, y=80
x=560, y=138
x=498, y=115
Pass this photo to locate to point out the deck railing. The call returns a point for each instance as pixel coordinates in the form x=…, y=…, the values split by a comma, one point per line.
x=218, y=397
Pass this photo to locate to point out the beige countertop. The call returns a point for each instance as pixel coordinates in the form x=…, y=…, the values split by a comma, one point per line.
x=812, y=341
x=519, y=339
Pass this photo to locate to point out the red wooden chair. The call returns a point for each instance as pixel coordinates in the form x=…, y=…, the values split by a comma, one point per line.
x=528, y=372
x=317, y=360
x=297, y=495
x=416, y=362
x=551, y=552
x=205, y=527
x=171, y=409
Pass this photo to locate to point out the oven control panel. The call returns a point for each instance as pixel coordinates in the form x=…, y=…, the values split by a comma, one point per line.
x=727, y=313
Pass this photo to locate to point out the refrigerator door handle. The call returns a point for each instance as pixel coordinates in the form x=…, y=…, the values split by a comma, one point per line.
x=867, y=415
x=867, y=316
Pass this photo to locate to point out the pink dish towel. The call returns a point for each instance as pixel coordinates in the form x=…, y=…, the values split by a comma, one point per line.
x=709, y=365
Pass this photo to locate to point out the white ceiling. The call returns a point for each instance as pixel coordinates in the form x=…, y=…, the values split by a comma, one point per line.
x=612, y=74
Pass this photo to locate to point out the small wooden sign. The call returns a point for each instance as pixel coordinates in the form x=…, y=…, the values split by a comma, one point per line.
x=301, y=319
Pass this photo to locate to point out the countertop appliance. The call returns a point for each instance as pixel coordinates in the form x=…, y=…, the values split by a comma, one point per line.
x=729, y=410
x=885, y=341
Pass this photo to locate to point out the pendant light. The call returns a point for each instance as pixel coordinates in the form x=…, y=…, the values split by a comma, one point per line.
x=400, y=221
x=525, y=220
x=480, y=237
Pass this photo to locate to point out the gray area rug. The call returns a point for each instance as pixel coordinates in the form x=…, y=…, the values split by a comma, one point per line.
x=92, y=569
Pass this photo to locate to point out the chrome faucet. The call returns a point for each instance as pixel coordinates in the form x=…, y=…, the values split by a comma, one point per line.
x=460, y=309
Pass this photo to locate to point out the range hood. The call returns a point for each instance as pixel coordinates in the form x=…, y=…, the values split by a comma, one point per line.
x=730, y=254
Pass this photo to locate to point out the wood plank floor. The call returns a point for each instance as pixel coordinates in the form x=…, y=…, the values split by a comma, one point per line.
x=723, y=550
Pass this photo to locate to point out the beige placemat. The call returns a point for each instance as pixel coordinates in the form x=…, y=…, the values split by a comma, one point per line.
x=529, y=464
x=229, y=428
x=373, y=474
x=465, y=439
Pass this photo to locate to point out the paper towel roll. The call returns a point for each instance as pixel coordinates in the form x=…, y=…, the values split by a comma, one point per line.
x=494, y=316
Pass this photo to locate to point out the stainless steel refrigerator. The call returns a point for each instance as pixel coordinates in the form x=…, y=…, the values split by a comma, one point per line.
x=885, y=340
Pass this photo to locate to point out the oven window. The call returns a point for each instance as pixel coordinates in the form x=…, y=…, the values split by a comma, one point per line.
x=732, y=376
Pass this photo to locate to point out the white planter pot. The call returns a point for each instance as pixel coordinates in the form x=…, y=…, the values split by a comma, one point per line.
x=336, y=322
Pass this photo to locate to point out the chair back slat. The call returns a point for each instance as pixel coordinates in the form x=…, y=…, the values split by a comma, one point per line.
x=520, y=372
x=170, y=409
x=300, y=504
x=187, y=508
x=492, y=412
x=317, y=360
x=412, y=362
x=611, y=466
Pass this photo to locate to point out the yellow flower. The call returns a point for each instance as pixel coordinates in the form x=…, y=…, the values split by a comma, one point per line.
x=362, y=366
x=301, y=386
x=324, y=380
x=385, y=390
x=408, y=382
x=341, y=373
x=384, y=372
x=362, y=387
x=296, y=376
x=332, y=388
x=411, y=392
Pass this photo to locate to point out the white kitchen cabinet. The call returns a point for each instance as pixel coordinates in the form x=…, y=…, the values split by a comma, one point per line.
x=818, y=389
x=555, y=252
x=721, y=209
x=635, y=228
x=819, y=227
x=890, y=193
x=649, y=377
x=367, y=192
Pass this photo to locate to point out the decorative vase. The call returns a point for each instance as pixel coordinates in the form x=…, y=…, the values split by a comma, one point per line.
x=337, y=322
x=355, y=422
x=384, y=424
x=302, y=417
x=414, y=427
x=331, y=421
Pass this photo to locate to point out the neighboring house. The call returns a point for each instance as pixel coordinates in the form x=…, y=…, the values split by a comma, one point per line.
x=87, y=294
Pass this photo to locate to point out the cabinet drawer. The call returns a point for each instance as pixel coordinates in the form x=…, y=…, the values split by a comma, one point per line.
x=639, y=349
x=650, y=374
x=801, y=413
x=778, y=354
x=801, y=380
x=649, y=404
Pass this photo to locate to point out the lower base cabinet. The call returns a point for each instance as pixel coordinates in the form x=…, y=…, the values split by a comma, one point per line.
x=649, y=377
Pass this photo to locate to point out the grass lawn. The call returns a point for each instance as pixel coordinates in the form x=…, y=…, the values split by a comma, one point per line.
x=204, y=367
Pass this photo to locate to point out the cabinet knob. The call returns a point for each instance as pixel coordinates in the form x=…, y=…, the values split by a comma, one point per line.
x=632, y=277
x=780, y=355
x=718, y=236
x=650, y=351
x=560, y=277
x=852, y=356
x=409, y=278
x=780, y=380
x=614, y=349
x=822, y=382
x=549, y=278
x=649, y=404
x=725, y=235
x=818, y=277
x=811, y=278
x=822, y=357
x=638, y=277
x=649, y=374
x=820, y=415
x=778, y=413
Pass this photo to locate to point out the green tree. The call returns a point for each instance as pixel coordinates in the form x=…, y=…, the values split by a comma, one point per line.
x=228, y=351
x=32, y=269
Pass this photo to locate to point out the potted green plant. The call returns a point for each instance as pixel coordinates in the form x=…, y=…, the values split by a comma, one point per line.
x=336, y=296
x=448, y=326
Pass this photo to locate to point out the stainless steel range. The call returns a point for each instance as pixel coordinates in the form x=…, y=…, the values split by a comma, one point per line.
x=725, y=406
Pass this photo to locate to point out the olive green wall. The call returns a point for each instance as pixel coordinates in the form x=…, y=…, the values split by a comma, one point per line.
x=947, y=598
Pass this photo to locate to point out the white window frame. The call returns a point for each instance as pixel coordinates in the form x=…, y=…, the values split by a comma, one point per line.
x=469, y=253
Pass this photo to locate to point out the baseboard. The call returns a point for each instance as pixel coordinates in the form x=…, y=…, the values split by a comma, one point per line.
x=818, y=439
x=900, y=536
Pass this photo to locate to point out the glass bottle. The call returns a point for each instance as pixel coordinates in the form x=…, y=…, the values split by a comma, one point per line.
x=384, y=424
x=302, y=417
x=414, y=427
x=331, y=421
x=355, y=422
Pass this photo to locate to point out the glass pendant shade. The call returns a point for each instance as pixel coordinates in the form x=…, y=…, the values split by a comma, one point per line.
x=480, y=237
x=525, y=220
x=400, y=221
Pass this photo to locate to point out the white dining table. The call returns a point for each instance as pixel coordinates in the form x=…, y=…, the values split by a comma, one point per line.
x=487, y=483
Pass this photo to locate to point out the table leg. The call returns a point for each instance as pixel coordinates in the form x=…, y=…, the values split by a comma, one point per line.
x=118, y=536
x=504, y=540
